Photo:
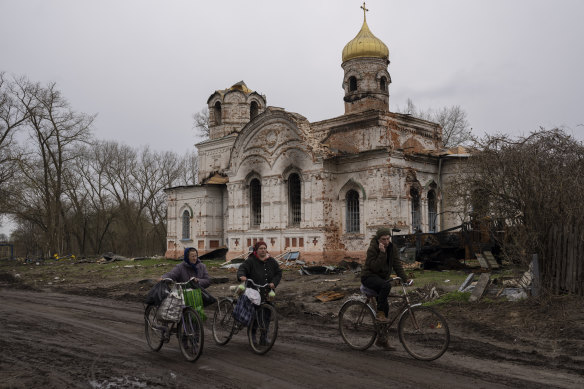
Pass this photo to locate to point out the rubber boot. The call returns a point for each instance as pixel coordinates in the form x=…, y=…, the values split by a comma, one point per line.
x=381, y=317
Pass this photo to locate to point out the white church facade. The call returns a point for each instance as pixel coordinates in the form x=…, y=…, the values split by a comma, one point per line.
x=321, y=188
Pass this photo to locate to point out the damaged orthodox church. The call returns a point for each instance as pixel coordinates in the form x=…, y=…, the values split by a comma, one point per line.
x=321, y=188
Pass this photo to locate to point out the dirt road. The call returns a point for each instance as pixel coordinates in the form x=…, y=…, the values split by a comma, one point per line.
x=51, y=340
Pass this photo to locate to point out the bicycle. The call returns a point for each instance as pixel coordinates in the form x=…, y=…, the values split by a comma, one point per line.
x=159, y=323
x=422, y=331
x=265, y=321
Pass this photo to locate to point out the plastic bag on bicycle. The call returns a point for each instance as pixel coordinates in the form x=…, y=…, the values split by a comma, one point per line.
x=243, y=310
x=253, y=295
x=171, y=307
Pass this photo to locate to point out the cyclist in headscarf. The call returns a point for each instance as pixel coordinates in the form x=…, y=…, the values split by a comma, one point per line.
x=190, y=267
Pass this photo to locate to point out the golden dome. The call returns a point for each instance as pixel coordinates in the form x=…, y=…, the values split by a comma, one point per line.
x=365, y=44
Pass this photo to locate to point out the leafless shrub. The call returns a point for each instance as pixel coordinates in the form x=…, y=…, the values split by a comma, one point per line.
x=531, y=186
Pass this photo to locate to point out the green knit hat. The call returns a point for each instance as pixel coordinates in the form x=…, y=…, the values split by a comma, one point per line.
x=382, y=231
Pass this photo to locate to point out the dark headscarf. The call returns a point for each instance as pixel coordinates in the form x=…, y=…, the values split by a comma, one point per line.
x=186, y=258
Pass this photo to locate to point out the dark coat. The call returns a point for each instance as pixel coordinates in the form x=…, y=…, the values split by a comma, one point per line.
x=183, y=272
x=380, y=264
x=261, y=272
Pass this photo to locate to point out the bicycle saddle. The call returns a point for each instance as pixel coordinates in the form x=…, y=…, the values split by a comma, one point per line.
x=368, y=292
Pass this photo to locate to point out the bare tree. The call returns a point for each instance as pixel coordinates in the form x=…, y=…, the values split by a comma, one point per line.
x=533, y=187
x=453, y=120
x=201, y=123
x=189, y=169
x=56, y=132
x=12, y=116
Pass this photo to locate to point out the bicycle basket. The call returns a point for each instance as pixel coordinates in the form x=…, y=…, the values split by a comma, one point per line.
x=194, y=298
x=171, y=307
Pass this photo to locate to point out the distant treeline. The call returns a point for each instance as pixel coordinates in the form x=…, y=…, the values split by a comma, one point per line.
x=70, y=193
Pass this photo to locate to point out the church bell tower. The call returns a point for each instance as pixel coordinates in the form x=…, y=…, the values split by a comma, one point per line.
x=366, y=79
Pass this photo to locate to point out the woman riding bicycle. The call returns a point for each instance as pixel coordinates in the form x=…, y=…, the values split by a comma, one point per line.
x=382, y=257
x=189, y=268
x=261, y=268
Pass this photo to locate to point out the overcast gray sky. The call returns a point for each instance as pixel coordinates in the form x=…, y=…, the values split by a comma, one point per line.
x=146, y=66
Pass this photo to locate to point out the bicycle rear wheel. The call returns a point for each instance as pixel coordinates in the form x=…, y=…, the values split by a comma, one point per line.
x=263, y=330
x=223, y=322
x=190, y=334
x=357, y=325
x=153, y=329
x=424, y=333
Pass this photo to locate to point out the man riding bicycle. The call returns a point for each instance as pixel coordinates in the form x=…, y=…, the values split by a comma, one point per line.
x=382, y=257
x=261, y=268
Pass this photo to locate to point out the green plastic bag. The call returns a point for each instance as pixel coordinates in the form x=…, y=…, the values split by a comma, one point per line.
x=194, y=299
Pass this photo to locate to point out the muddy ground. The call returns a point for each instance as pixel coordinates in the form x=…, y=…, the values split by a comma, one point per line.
x=88, y=333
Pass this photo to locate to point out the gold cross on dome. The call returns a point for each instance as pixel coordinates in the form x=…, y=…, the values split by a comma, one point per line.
x=364, y=10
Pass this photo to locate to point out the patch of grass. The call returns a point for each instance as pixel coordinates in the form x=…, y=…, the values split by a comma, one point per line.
x=452, y=297
x=213, y=263
x=438, y=278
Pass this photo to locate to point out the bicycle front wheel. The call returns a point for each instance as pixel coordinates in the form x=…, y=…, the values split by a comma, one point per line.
x=424, y=333
x=357, y=325
x=263, y=330
x=223, y=322
x=154, y=330
x=190, y=334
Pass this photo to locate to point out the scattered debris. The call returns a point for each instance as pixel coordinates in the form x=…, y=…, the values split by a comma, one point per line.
x=235, y=262
x=111, y=257
x=330, y=295
x=433, y=294
x=480, y=287
x=231, y=265
x=310, y=270
x=514, y=294
x=291, y=256
x=219, y=253
x=482, y=261
x=491, y=259
x=466, y=282
x=352, y=265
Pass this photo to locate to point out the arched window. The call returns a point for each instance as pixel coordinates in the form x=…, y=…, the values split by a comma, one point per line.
x=217, y=112
x=253, y=110
x=416, y=217
x=432, y=211
x=186, y=225
x=255, y=194
x=352, y=84
x=294, y=199
x=352, y=198
x=382, y=83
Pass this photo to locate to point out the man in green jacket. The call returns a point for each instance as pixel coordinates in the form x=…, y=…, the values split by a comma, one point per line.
x=382, y=257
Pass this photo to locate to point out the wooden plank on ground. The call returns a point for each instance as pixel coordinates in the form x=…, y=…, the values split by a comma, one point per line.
x=480, y=287
x=329, y=296
x=482, y=261
x=491, y=259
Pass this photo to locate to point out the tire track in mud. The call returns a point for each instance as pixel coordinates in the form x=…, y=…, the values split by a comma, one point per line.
x=78, y=341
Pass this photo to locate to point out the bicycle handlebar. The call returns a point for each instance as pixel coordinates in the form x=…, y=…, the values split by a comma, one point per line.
x=259, y=286
x=179, y=283
x=405, y=283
